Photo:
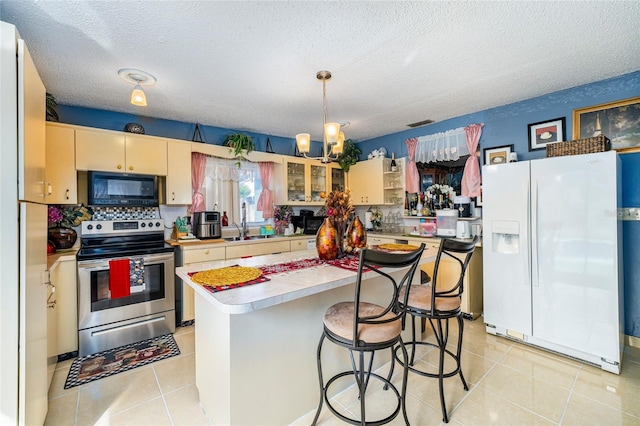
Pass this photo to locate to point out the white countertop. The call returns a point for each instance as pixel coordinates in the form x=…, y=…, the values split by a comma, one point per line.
x=281, y=288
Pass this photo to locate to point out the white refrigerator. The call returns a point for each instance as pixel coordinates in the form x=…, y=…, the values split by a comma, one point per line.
x=24, y=375
x=553, y=255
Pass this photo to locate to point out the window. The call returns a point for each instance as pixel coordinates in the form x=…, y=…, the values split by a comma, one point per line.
x=226, y=187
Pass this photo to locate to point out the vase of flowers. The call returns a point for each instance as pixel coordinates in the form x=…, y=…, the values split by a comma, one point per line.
x=339, y=208
x=281, y=218
x=62, y=235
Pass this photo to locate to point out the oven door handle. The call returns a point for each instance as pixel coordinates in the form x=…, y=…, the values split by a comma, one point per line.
x=92, y=265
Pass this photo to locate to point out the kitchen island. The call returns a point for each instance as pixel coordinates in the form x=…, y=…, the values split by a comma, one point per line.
x=256, y=345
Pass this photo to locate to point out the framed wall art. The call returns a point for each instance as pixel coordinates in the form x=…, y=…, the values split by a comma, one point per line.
x=619, y=121
x=497, y=155
x=544, y=132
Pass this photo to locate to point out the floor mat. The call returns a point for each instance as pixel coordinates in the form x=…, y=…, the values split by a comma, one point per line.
x=124, y=358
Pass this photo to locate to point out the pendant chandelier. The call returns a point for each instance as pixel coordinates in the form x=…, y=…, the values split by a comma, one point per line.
x=333, y=140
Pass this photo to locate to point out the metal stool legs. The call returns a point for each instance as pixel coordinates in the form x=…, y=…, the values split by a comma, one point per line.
x=440, y=327
x=362, y=373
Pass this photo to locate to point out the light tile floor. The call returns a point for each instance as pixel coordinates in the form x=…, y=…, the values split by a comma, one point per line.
x=509, y=383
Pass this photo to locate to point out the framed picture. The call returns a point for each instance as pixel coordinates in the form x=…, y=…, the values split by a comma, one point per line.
x=544, y=132
x=619, y=121
x=498, y=155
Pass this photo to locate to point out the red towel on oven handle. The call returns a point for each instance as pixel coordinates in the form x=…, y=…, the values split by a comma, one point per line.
x=119, y=283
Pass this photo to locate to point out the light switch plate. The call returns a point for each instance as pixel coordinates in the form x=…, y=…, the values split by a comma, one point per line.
x=629, y=213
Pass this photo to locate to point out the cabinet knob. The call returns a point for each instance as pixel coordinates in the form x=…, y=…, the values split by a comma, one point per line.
x=119, y=166
x=130, y=167
x=206, y=252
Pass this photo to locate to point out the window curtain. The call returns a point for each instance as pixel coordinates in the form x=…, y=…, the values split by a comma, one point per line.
x=265, y=202
x=220, y=186
x=198, y=166
x=442, y=146
x=471, y=175
x=412, y=177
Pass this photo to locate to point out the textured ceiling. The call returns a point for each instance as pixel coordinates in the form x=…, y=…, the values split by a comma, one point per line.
x=252, y=65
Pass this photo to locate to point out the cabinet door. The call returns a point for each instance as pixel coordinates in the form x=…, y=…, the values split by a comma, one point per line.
x=318, y=182
x=61, y=165
x=257, y=249
x=146, y=155
x=178, y=173
x=296, y=180
x=100, y=150
x=365, y=180
x=338, y=178
x=31, y=129
x=63, y=277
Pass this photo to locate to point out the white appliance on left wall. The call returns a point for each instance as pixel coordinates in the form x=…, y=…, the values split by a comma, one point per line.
x=24, y=378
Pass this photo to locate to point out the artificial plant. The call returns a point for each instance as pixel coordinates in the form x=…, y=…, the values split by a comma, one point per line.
x=349, y=156
x=240, y=145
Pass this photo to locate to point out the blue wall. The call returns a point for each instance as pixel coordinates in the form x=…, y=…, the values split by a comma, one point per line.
x=503, y=125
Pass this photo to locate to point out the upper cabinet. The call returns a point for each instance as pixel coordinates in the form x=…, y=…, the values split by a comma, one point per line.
x=178, y=173
x=305, y=180
x=31, y=128
x=373, y=183
x=117, y=152
x=60, y=169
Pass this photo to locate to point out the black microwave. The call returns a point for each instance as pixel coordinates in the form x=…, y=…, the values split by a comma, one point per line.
x=122, y=189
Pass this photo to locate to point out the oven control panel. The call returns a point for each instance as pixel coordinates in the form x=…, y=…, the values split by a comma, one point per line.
x=97, y=227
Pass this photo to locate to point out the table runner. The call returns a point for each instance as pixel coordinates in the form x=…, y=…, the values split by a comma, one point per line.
x=349, y=262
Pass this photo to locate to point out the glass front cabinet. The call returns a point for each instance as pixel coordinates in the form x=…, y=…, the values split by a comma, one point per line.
x=305, y=180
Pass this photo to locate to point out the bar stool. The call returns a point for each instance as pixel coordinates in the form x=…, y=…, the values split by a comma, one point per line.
x=439, y=302
x=361, y=327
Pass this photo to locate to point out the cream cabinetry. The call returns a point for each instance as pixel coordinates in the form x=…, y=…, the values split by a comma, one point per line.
x=304, y=181
x=52, y=333
x=62, y=276
x=373, y=183
x=178, y=173
x=60, y=169
x=184, y=293
x=376, y=241
x=306, y=244
x=448, y=274
x=118, y=152
x=245, y=250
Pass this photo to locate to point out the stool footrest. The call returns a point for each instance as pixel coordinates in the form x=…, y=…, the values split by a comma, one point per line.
x=425, y=373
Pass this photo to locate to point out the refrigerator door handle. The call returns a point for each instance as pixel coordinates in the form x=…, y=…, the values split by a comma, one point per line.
x=533, y=212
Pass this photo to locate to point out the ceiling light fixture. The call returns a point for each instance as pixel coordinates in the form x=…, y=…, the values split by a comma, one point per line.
x=139, y=78
x=333, y=137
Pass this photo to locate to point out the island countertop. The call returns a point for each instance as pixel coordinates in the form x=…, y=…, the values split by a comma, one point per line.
x=281, y=287
x=261, y=334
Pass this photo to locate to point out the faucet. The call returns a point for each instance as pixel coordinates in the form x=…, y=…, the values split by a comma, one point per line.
x=239, y=231
x=245, y=231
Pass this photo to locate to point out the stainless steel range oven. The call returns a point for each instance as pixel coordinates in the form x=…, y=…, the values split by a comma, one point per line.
x=126, y=289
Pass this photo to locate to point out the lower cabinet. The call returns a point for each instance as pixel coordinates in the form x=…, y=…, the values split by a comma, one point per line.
x=449, y=272
x=185, y=298
x=376, y=241
x=245, y=250
x=190, y=254
x=63, y=278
